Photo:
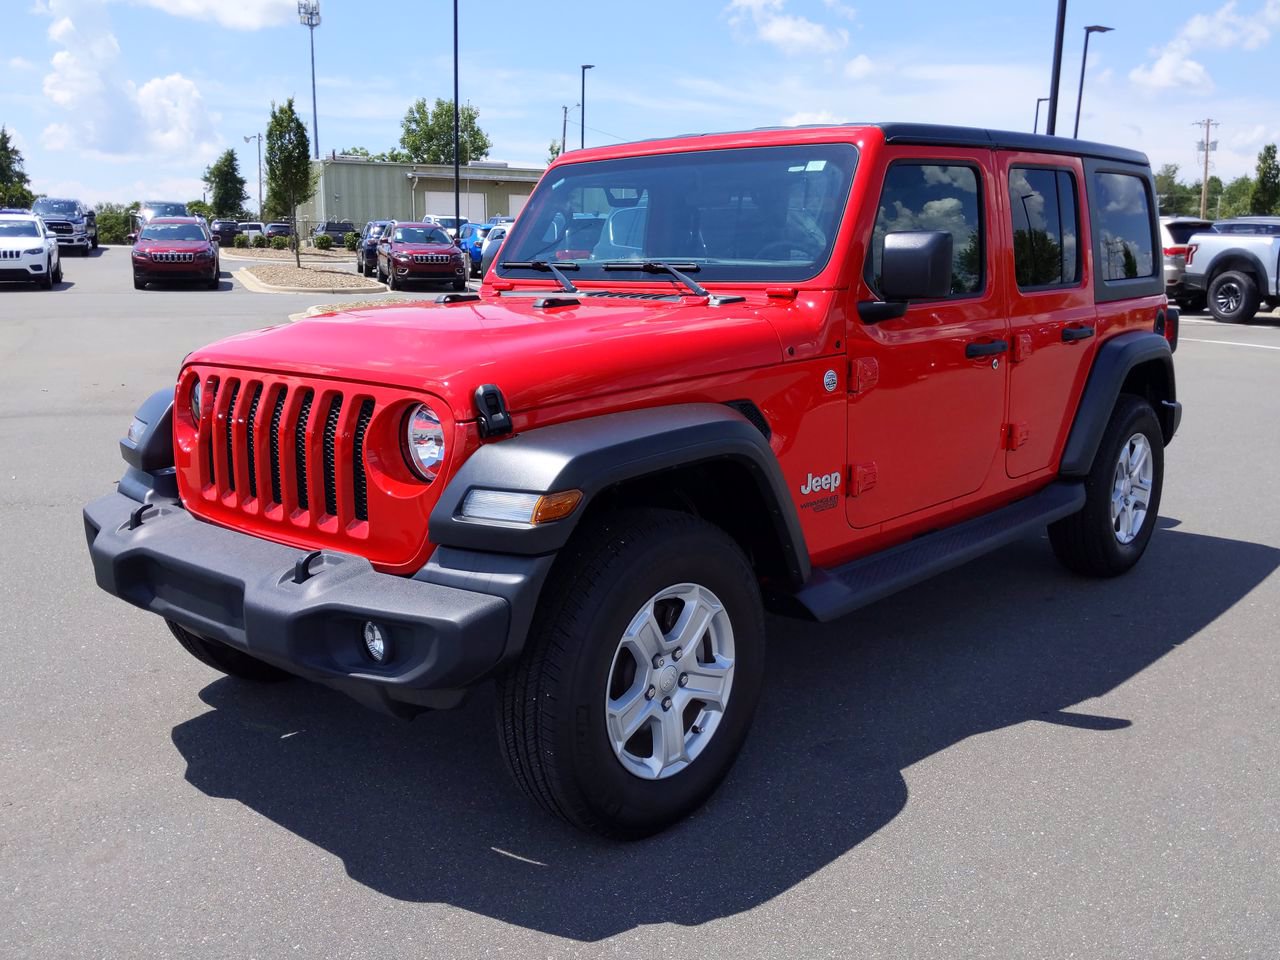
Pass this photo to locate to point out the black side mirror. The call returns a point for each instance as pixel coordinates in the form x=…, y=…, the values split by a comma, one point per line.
x=131, y=238
x=916, y=265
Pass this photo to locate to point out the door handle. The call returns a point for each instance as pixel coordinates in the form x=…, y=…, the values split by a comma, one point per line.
x=972, y=350
x=1072, y=334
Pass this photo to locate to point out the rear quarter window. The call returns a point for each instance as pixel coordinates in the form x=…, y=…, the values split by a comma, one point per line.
x=1123, y=226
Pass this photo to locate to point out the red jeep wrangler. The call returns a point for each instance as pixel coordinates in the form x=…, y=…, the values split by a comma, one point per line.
x=802, y=367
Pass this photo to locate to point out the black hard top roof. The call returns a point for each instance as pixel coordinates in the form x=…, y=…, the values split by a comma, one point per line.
x=939, y=135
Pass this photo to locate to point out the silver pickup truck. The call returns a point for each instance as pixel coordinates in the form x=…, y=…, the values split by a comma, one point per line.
x=1238, y=270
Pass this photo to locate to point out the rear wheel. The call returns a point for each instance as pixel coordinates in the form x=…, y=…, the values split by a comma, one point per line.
x=1122, y=495
x=1233, y=297
x=226, y=659
x=640, y=676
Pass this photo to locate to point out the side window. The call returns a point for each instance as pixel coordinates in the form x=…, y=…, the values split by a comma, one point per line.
x=1042, y=204
x=1124, y=227
x=922, y=196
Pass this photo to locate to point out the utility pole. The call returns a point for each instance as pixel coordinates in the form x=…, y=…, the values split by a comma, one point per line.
x=258, y=137
x=1207, y=146
x=309, y=16
x=564, y=126
x=1051, y=124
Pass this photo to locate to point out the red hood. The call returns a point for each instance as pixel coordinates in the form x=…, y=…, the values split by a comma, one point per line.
x=537, y=357
x=424, y=248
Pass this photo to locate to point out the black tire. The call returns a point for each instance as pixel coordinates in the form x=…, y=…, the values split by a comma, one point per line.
x=1233, y=297
x=460, y=284
x=550, y=705
x=213, y=282
x=1193, y=304
x=1086, y=542
x=392, y=283
x=94, y=244
x=225, y=659
x=57, y=272
x=46, y=281
x=139, y=283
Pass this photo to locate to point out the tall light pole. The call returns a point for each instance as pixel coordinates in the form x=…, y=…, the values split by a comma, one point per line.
x=1084, y=58
x=1035, y=127
x=1051, y=123
x=457, y=189
x=258, y=137
x=309, y=16
x=582, y=135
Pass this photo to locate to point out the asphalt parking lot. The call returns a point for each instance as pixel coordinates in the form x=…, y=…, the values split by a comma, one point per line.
x=1005, y=762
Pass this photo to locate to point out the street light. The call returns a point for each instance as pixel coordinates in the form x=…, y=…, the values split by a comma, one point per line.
x=1083, y=59
x=258, y=137
x=582, y=136
x=309, y=16
x=1035, y=127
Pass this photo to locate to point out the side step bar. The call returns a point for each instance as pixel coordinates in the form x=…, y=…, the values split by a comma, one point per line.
x=834, y=591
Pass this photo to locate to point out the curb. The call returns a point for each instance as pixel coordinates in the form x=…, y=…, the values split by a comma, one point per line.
x=255, y=285
x=224, y=255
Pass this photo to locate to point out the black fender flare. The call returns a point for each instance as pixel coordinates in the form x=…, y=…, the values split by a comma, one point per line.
x=1215, y=267
x=147, y=449
x=597, y=453
x=1115, y=359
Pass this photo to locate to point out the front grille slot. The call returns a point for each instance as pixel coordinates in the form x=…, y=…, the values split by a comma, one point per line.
x=211, y=389
x=359, y=478
x=10, y=254
x=231, y=419
x=330, y=465
x=431, y=258
x=300, y=449
x=249, y=435
x=275, y=446
x=173, y=257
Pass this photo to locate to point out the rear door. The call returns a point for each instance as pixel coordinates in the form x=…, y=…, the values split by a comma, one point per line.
x=1051, y=314
x=927, y=389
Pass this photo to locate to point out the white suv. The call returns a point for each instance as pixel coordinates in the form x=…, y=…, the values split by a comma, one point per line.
x=28, y=251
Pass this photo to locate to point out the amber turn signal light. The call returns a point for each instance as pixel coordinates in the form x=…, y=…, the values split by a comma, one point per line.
x=556, y=506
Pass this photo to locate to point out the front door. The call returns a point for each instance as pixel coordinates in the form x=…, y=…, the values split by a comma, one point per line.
x=927, y=389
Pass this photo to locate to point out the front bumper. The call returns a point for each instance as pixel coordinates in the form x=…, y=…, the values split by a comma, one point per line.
x=25, y=268
x=241, y=590
x=438, y=272
x=74, y=239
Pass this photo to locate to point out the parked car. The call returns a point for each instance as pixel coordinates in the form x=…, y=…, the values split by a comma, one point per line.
x=73, y=223
x=224, y=231
x=251, y=229
x=501, y=218
x=585, y=480
x=336, y=230
x=1174, y=234
x=367, y=248
x=175, y=248
x=419, y=253
x=279, y=230
x=447, y=223
x=28, y=251
x=1237, y=271
x=1262, y=226
x=472, y=241
x=161, y=208
x=492, y=244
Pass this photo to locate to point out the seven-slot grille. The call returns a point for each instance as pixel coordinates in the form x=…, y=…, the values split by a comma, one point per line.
x=173, y=257
x=285, y=450
x=431, y=258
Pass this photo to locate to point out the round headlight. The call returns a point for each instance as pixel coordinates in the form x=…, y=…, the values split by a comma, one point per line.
x=195, y=401
x=424, y=442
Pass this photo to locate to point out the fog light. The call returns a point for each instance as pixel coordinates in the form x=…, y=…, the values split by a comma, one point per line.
x=375, y=641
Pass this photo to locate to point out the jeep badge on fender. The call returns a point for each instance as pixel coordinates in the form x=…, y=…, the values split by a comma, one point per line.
x=328, y=499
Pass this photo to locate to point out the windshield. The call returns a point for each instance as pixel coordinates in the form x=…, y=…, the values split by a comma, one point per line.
x=57, y=208
x=172, y=231
x=165, y=209
x=420, y=235
x=18, y=228
x=761, y=213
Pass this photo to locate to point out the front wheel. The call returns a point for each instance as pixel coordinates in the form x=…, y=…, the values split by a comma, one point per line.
x=1233, y=297
x=223, y=658
x=57, y=272
x=640, y=676
x=1122, y=495
x=460, y=284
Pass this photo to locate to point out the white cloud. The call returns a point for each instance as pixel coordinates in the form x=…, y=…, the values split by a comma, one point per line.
x=160, y=188
x=793, y=35
x=810, y=117
x=234, y=14
x=19, y=63
x=841, y=9
x=1225, y=28
x=859, y=68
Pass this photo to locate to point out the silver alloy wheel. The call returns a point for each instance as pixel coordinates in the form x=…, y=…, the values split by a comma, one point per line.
x=1131, y=488
x=669, y=682
x=1228, y=297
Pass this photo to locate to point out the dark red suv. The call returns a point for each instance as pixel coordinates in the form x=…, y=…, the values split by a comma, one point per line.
x=175, y=248
x=410, y=252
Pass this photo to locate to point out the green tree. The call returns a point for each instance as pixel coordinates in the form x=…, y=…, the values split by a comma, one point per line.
x=553, y=151
x=1236, y=197
x=226, y=187
x=198, y=208
x=1266, y=186
x=1175, y=197
x=355, y=152
x=427, y=133
x=15, y=188
x=289, y=177
x=393, y=155
x=115, y=221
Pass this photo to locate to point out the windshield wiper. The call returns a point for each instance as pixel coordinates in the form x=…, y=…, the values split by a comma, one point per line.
x=662, y=266
x=548, y=267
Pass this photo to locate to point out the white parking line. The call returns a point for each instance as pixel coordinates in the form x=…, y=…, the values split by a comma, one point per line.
x=1230, y=343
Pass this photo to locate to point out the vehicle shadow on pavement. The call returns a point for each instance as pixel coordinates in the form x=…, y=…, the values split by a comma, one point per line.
x=425, y=812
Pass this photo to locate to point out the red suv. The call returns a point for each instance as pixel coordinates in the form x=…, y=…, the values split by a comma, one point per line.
x=175, y=248
x=419, y=252
x=807, y=367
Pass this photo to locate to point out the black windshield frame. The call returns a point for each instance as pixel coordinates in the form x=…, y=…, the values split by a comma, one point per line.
x=720, y=209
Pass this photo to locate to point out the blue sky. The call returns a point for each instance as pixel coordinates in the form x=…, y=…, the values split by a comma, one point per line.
x=117, y=99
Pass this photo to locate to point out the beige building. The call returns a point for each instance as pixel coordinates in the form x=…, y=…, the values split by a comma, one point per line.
x=359, y=190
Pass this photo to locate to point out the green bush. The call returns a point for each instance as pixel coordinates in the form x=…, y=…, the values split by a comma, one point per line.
x=240, y=241
x=260, y=242
x=279, y=243
x=351, y=240
x=324, y=241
